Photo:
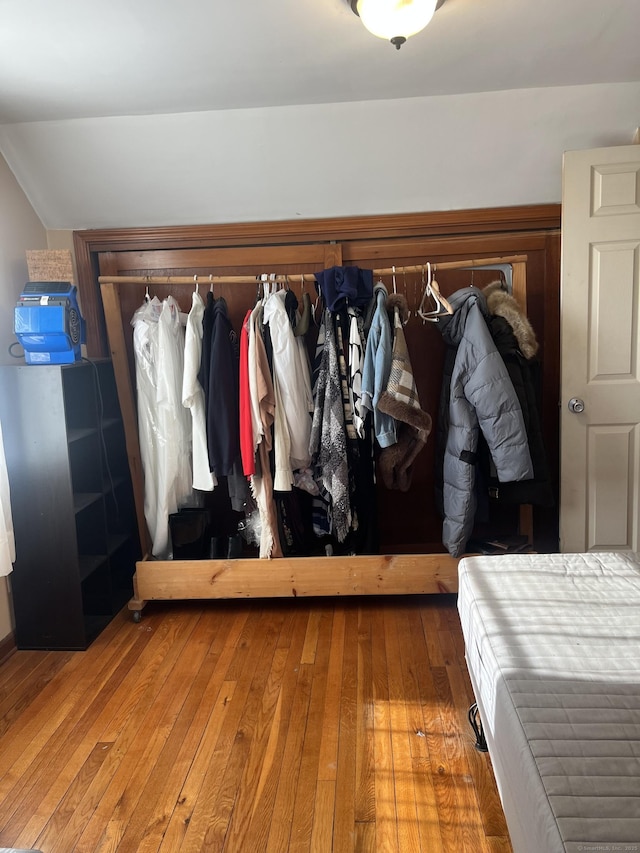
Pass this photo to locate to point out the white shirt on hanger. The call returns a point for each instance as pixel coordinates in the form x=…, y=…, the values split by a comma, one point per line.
x=193, y=397
x=175, y=423
x=163, y=423
x=291, y=369
x=145, y=349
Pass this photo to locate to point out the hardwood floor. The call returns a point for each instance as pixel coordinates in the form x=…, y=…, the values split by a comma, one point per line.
x=299, y=725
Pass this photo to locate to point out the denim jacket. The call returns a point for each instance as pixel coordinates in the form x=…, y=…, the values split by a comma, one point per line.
x=377, y=366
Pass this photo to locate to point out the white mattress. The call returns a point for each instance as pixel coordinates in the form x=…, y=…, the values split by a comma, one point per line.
x=553, y=648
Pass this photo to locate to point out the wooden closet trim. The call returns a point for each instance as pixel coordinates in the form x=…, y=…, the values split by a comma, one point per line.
x=89, y=244
x=480, y=220
x=408, y=238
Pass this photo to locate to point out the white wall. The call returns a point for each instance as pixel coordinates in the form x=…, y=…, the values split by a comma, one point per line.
x=370, y=157
x=20, y=229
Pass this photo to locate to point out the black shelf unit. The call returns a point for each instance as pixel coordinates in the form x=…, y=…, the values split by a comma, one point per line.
x=73, y=511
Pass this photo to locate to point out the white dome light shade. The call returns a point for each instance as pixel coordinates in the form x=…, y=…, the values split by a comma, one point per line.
x=396, y=20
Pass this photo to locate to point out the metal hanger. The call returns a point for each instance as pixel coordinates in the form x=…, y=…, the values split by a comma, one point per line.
x=505, y=270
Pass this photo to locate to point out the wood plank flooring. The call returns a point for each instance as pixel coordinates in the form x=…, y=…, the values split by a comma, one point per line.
x=250, y=727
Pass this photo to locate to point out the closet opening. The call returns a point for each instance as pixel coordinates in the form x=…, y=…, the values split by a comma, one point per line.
x=409, y=528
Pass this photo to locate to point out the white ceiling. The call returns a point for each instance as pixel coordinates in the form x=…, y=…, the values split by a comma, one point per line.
x=124, y=113
x=85, y=58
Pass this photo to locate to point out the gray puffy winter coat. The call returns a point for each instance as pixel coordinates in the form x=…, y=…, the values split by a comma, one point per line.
x=480, y=396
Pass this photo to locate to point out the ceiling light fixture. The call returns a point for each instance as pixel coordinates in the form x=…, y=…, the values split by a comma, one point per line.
x=395, y=20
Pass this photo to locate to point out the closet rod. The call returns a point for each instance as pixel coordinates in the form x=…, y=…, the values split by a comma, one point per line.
x=297, y=277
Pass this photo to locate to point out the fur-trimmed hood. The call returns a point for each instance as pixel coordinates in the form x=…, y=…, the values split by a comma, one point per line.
x=502, y=304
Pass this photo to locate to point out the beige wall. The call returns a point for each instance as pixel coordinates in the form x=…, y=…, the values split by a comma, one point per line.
x=20, y=229
x=62, y=240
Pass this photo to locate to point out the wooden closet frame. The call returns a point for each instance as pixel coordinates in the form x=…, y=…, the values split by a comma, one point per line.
x=386, y=574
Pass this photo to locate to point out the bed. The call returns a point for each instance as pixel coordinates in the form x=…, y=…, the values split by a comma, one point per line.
x=552, y=644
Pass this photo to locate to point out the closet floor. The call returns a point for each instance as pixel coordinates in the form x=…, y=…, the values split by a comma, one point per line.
x=298, y=725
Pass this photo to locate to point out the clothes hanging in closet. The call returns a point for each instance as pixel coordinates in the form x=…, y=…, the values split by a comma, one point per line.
x=247, y=447
x=321, y=503
x=338, y=390
x=309, y=455
x=477, y=394
x=222, y=397
x=145, y=345
x=345, y=286
x=292, y=385
x=205, y=359
x=174, y=418
x=288, y=454
x=377, y=367
x=516, y=342
x=163, y=422
x=356, y=360
x=263, y=395
x=220, y=371
x=400, y=401
x=328, y=443
x=342, y=433
x=193, y=396
x=257, y=425
x=362, y=538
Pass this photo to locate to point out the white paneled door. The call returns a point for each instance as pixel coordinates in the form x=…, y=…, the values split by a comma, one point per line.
x=600, y=351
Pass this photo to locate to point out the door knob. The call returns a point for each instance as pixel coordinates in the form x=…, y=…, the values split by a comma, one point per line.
x=576, y=405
